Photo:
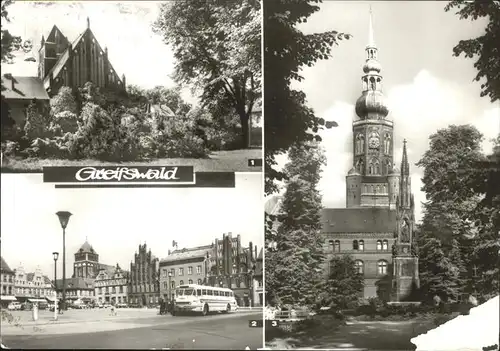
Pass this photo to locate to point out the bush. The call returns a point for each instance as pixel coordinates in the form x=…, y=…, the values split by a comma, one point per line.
x=64, y=122
x=10, y=148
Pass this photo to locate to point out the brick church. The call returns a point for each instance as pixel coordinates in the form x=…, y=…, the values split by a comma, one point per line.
x=376, y=227
x=65, y=63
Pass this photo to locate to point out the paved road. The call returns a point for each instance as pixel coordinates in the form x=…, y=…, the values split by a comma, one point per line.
x=187, y=332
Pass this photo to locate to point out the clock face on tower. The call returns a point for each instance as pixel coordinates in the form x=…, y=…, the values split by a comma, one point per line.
x=374, y=141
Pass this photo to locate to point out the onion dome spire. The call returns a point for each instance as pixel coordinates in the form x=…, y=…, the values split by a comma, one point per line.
x=372, y=104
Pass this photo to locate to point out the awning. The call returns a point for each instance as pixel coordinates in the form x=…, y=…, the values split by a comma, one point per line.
x=37, y=300
x=7, y=298
x=50, y=299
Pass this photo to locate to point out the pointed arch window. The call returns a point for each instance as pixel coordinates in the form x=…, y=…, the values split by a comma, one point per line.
x=379, y=245
x=370, y=168
x=359, y=266
x=382, y=267
x=385, y=245
x=360, y=144
x=360, y=166
x=373, y=85
x=387, y=144
x=377, y=167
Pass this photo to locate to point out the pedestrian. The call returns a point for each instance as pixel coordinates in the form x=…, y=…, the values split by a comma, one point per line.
x=113, y=310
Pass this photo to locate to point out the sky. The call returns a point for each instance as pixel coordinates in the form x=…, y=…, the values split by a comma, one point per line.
x=116, y=221
x=426, y=86
x=125, y=28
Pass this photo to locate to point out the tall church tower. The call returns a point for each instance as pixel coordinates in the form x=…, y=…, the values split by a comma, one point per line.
x=371, y=182
x=86, y=262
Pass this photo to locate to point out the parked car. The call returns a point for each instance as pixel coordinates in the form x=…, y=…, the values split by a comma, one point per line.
x=121, y=305
x=14, y=306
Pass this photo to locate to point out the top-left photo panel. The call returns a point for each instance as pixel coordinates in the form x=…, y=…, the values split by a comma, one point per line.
x=132, y=83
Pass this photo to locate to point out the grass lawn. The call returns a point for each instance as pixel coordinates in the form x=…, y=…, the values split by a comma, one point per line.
x=218, y=161
x=362, y=335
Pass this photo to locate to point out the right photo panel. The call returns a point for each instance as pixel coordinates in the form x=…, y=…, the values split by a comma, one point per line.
x=382, y=145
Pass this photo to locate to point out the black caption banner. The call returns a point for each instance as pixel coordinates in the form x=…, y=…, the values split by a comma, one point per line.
x=136, y=177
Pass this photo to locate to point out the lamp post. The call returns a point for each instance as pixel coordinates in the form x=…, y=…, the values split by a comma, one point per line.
x=169, y=286
x=56, y=256
x=64, y=219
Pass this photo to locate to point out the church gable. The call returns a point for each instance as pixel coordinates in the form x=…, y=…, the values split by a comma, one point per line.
x=80, y=62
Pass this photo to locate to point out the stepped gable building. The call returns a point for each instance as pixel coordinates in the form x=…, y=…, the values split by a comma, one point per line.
x=377, y=226
x=72, y=64
x=33, y=286
x=111, y=285
x=184, y=266
x=233, y=266
x=144, y=282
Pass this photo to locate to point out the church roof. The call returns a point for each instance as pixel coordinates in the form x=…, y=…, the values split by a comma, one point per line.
x=86, y=247
x=4, y=268
x=23, y=88
x=358, y=220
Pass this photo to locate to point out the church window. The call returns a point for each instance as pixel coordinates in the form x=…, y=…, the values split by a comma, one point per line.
x=385, y=245
x=382, y=267
x=370, y=168
x=361, y=245
x=359, y=266
x=330, y=245
x=379, y=245
x=360, y=144
x=337, y=246
x=355, y=245
x=360, y=166
x=372, y=83
x=377, y=167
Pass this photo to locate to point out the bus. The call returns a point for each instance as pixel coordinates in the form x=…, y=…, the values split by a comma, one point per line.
x=203, y=299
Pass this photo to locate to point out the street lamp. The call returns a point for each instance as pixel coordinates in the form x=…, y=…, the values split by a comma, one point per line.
x=169, y=286
x=55, y=255
x=64, y=219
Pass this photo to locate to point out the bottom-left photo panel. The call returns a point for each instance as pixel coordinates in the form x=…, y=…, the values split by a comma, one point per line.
x=131, y=267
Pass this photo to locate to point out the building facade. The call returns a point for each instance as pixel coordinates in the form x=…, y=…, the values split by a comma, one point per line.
x=111, y=286
x=232, y=266
x=86, y=267
x=32, y=285
x=376, y=227
x=18, y=94
x=258, y=280
x=7, y=277
x=185, y=266
x=144, y=282
x=72, y=64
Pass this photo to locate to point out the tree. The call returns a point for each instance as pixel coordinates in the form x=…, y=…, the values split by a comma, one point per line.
x=344, y=285
x=217, y=48
x=37, y=120
x=294, y=270
x=10, y=42
x=450, y=172
x=286, y=50
x=484, y=47
x=63, y=109
x=486, y=217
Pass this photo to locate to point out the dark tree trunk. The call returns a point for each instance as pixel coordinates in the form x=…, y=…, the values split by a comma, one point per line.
x=245, y=131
